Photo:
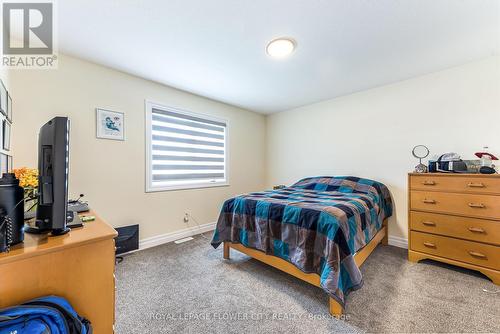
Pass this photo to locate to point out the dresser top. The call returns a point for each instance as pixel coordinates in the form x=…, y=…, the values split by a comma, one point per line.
x=455, y=174
x=38, y=244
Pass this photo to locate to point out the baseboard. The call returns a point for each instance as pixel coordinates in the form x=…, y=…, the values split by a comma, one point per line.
x=398, y=242
x=188, y=232
x=172, y=236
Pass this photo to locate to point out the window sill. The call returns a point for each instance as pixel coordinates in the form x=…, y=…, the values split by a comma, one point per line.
x=186, y=187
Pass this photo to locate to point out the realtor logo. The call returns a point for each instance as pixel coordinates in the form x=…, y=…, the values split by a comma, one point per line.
x=28, y=35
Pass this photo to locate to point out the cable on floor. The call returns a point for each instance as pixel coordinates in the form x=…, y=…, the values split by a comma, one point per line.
x=198, y=225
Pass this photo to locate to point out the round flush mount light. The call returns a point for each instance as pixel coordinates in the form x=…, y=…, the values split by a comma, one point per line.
x=281, y=47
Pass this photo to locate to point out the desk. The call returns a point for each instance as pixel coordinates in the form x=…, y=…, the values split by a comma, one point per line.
x=78, y=266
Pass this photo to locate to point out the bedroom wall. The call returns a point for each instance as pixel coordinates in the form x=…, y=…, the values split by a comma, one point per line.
x=111, y=174
x=371, y=133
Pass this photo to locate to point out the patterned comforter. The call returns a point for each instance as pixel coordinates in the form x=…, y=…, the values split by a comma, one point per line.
x=317, y=224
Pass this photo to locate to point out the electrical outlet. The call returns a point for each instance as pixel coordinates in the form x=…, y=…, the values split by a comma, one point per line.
x=186, y=217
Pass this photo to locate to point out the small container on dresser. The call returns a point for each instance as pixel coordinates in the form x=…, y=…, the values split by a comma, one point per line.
x=455, y=218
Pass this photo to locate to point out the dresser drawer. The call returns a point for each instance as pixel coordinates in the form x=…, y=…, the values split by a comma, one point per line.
x=456, y=183
x=471, y=205
x=460, y=250
x=460, y=227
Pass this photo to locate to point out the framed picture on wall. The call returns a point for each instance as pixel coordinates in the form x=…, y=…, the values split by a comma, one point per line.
x=9, y=107
x=6, y=135
x=3, y=98
x=110, y=124
x=10, y=164
x=4, y=163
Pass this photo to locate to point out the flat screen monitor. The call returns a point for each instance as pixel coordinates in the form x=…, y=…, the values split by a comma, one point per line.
x=53, y=169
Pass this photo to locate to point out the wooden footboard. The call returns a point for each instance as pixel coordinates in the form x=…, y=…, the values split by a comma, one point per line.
x=314, y=279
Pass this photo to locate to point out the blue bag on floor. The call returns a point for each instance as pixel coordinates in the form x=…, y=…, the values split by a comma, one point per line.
x=46, y=315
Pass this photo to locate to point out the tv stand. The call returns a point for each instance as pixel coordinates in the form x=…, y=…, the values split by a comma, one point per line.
x=36, y=230
x=73, y=221
x=57, y=232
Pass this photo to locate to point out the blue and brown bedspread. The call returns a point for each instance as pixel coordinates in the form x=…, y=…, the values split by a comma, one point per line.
x=317, y=224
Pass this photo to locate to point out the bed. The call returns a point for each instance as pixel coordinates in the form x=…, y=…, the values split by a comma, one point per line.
x=320, y=230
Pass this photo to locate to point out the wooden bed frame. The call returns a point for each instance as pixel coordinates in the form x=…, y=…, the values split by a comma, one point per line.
x=314, y=279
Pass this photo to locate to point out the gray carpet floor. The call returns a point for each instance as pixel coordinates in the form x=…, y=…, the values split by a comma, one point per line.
x=189, y=288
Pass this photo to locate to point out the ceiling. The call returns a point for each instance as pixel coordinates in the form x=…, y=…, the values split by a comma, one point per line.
x=216, y=48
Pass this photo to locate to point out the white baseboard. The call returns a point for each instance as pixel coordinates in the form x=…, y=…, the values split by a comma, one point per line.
x=172, y=236
x=398, y=242
x=188, y=232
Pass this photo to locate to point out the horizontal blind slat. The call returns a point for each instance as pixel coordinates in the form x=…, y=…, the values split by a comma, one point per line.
x=187, y=141
x=186, y=132
x=186, y=158
x=186, y=149
x=188, y=117
x=188, y=167
x=209, y=176
x=170, y=120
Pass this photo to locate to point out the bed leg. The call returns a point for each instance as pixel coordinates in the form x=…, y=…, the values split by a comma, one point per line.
x=226, y=251
x=385, y=239
x=336, y=309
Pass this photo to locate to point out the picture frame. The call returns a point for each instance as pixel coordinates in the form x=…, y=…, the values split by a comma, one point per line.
x=10, y=164
x=3, y=98
x=6, y=127
x=4, y=163
x=110, y=124
x=9, y=107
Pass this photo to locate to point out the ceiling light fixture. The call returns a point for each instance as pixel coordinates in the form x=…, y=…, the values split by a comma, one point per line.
x=281, y=47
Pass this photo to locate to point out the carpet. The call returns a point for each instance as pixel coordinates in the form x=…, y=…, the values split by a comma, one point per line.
x=189, y=288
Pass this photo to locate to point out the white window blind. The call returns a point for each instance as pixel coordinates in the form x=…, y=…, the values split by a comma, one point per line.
x=185, y=150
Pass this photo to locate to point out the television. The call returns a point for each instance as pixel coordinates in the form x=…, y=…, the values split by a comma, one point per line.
x=53, y=168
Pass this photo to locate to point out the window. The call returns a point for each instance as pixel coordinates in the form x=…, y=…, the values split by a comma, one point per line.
x=184, y=150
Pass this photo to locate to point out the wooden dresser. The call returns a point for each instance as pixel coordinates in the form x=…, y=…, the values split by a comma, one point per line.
x=455, y=218
x=78, y=266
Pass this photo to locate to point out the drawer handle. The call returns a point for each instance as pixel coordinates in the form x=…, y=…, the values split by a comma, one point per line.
x=429, y=223
x=477, y=254
x=429, y=244
x=475, y=185
x=429, y=183
x=476, y=229
x=477, y=205
x=429, y=201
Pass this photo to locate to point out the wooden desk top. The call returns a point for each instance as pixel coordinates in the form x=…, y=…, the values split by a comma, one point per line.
x=38, y=244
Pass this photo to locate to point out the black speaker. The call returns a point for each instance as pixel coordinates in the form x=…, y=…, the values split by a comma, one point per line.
x=11, y=204
x=127, y=239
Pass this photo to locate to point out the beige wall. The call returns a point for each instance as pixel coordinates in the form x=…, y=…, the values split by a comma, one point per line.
x=371, y=133
x=111, y=174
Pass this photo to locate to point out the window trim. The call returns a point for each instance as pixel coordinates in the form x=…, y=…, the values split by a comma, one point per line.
x=149, y=105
